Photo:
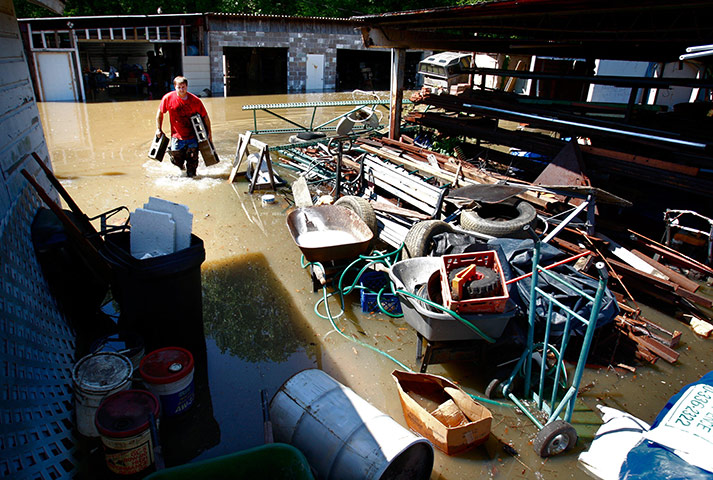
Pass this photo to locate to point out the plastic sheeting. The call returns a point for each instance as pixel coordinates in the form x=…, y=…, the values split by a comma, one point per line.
x=649, y=460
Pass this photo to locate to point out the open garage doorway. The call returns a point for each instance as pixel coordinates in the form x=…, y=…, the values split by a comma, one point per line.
x=370, y=70
x=255, y=70
x=121, y=70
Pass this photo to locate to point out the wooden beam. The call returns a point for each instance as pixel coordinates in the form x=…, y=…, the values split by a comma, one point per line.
x=640, y=160
x=398, y=69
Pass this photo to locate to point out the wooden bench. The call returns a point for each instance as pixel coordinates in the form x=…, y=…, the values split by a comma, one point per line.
x=410, y=188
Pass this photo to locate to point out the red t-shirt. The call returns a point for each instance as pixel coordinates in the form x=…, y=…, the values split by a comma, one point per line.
x=180, y=111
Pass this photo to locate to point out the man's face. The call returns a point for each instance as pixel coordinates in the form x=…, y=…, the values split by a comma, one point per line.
x=181, y=88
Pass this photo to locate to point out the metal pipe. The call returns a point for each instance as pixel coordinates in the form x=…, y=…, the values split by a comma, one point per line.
x=557, y=121
x=699, y=48
x=688, y=56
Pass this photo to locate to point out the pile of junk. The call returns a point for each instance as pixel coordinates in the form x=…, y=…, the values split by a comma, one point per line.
x=473, y=260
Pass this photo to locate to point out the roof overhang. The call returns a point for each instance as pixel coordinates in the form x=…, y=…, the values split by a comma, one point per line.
x=625, y=30
x=54, y=6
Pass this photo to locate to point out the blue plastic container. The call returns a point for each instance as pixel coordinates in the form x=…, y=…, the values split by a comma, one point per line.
x=374, y=282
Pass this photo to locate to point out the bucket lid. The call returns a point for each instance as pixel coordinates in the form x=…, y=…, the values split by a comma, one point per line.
x=101, y=372
x=166, y=365
x=126, y=413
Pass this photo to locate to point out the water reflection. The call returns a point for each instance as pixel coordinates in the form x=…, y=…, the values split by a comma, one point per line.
x=248, y=313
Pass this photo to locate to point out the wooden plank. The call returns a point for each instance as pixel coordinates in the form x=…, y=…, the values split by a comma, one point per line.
x=666, y=285
x=640, y=160
x=438, y=173
x=403, y=194
x=242, y=149
x=631, y=259
x=391, y=208
x=668, y=354
x=673, y=254
x=411, y=182
x=470, y=172
x=672, y=275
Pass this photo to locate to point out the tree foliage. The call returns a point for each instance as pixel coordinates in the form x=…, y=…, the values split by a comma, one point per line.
x=314, y=8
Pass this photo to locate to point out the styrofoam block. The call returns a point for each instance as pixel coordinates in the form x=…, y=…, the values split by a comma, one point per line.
x=181, y=215
x=152, y=233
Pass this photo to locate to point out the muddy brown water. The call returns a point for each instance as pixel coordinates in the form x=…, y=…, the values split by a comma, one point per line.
x=259, y=305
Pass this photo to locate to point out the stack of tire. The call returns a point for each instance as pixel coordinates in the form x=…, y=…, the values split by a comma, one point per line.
x=496, y=220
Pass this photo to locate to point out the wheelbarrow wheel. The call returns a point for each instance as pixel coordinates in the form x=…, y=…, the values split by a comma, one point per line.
x=361, y=207
x=554, y=438
x=419, y=239
x=494, y=389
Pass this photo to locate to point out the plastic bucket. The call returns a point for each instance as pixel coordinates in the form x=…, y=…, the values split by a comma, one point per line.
x=94, y=377
x=342, y=435
x=129, y=344
x=125, y=421
x=168, y=374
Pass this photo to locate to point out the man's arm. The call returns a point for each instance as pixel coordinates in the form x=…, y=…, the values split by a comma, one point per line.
x=159, y=123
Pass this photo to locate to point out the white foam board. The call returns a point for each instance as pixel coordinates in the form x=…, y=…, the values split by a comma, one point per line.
x=152, y=233
x=181, y=215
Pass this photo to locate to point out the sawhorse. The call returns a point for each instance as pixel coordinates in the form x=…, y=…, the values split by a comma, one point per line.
x=245, y=140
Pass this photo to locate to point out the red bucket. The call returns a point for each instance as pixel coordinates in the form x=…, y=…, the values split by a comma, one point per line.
x=124, y=421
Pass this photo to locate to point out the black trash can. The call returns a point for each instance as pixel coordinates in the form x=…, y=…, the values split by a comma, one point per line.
x=160, y=298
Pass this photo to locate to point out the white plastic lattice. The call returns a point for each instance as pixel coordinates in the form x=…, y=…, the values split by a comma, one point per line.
x=36, y=356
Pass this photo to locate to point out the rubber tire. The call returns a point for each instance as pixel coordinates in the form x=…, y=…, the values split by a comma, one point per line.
x=419, y=239
x=480, y=287
x=500, y=220
x=362, y=208
x=554, y=438
x=494, y=389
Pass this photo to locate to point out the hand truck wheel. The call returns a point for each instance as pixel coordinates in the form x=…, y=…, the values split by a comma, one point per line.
x=554, y=438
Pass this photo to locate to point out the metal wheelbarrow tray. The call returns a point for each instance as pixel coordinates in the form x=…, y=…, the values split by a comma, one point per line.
x=409, y=275
x=329, y=233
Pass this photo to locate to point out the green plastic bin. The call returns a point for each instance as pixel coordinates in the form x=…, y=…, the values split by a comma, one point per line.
x=271, y=461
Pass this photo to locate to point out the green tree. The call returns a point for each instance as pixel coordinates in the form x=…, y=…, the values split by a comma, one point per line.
x=323, y=8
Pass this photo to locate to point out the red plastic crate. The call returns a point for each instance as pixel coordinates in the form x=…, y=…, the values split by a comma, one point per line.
x=489, y=259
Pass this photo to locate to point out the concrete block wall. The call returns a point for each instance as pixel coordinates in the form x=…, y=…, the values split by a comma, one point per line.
x=299, y=37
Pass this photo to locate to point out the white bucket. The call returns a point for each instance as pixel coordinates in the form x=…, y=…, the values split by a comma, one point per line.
x=94, y=377
x=125, y=421
x=342, y=435
x=168, y=374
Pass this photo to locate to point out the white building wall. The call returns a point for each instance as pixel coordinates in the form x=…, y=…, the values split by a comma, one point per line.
x=20, y=127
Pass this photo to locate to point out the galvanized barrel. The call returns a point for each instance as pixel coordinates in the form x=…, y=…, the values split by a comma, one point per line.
x=342, y=435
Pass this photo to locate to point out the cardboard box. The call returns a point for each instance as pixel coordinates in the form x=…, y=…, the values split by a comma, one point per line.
x=437, y=409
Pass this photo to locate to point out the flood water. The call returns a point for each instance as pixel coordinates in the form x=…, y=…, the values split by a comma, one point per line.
x=258, y=302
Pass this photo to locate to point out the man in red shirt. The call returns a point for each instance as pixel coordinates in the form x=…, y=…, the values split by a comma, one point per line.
x=181, y=105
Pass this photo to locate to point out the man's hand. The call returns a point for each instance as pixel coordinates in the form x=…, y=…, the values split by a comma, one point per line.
x=159, y=132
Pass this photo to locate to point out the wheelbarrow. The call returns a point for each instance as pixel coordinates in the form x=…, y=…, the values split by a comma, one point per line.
x=329, y=233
